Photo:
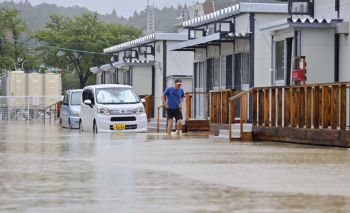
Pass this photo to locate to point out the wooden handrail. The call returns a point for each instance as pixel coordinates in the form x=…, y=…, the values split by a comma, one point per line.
x=188, y=104
x=158, y=118
x=240, y=94
x=149, y=105
x=57, y=106
x=245, y=93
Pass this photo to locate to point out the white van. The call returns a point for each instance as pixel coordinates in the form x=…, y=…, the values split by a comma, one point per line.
x=112, y=108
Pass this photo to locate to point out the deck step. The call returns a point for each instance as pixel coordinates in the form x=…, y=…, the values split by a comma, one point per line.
x=235, y=133
x=152, y=125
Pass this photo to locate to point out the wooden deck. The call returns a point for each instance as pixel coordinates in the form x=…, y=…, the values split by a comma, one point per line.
x=309, y=114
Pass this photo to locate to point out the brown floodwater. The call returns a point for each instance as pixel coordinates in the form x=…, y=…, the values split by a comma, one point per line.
x=44, y=168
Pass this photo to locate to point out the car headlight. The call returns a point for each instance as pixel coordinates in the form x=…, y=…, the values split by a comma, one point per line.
x=76, y=114
x=102, y=110
x=140, y=110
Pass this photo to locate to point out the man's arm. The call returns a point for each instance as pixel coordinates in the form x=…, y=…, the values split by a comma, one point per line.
x=181, y=102
x=165, y=104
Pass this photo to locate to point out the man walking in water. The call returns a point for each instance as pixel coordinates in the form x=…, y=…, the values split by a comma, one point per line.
x=175, y=96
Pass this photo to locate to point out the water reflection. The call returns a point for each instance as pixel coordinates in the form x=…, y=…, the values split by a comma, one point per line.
x=46, y=168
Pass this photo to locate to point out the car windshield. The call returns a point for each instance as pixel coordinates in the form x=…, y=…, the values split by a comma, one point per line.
x=116, y=95
x=76, y=98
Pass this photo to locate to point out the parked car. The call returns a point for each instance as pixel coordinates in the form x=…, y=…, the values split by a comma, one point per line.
x=70, y=109
x=112, y=108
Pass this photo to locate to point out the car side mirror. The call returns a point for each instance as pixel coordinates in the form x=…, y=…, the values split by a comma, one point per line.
x=87, y=102
x=143, y=100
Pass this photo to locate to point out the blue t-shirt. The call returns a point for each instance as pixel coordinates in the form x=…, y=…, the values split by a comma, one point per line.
x=174, y=97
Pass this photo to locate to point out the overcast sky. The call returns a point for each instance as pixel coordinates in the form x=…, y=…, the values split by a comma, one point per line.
x=122, y=7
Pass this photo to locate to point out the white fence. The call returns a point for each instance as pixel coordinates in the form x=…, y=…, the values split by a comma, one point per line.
x=28, y=107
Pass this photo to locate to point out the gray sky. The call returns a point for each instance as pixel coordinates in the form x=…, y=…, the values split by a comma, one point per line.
x=122, y=7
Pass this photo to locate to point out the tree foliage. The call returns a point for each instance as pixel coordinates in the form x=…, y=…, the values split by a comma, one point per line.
x=82, y=33
x=14, y=54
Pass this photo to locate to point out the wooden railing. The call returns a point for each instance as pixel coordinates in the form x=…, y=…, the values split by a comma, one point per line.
x=158, y=118
x=189, y=104
x=149, y=106
x=219, y=106
x=57, y=110
x=243, y=110
x=317, y=106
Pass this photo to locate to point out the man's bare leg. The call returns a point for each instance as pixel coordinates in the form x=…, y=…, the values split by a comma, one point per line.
x=179, y=126
x=170, y=125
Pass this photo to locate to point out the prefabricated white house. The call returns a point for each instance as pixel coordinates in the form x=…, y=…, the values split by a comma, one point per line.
x=318, y=30
x=146, y=65
x=230, y=52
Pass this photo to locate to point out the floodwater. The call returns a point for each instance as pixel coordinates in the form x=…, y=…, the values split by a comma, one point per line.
x=46, y=169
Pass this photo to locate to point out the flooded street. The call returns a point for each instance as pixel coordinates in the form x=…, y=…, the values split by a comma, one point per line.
x=46, y=169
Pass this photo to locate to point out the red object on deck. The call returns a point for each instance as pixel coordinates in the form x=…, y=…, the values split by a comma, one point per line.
x=298, y=75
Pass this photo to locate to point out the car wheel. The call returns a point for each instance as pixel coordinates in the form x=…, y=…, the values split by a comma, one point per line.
x=70, y=124
x=95, y=127
x=60, y=122
x=81, y=126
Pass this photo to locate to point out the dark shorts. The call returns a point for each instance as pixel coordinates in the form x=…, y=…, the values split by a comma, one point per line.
x=171, y=113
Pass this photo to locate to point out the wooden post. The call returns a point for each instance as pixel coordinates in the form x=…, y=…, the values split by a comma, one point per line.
x=287, y=105
x=261, y=106
x=267, y=107
x=242, y=106
x=301, y=107
x=207, y=104
x=342, y=107
x=308, y=108
x=219, y=107
x=325, y=107
x=273, y=107
x=188, y=109
x=334, y=107
x=255, y=112
x=294, y=107
x=279, y=109
x=224, y=107
x=316, y=108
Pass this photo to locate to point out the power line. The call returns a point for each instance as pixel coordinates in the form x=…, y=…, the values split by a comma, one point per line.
x=52, y=47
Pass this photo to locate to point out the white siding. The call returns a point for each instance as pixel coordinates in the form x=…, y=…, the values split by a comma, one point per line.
x=142, y=79
x=326, y=9
x=317, y=45
x=344, y=50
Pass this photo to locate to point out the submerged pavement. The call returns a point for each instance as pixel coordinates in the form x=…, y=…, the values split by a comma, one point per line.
x=44, y=168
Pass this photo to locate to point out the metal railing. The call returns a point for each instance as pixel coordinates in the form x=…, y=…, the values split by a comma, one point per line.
x=26, y=107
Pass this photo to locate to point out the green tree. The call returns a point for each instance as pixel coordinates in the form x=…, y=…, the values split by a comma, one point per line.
x=81, y=33
x=12, y=52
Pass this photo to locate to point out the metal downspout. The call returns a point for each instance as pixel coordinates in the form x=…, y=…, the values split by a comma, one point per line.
x=164, y=70
x=251, y=61
x=336, y=58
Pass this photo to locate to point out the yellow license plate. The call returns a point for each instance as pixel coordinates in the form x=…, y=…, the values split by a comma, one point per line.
x=118, y=126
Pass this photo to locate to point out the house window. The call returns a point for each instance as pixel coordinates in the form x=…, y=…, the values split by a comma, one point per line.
x=216, y=72
x=241, y=70
x=245, y=68
x=279, y=60
x=228, y=77
x=223, y=72
x=124, y=77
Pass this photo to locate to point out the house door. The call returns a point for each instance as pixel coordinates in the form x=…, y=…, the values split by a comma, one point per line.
x=282, y=61
x=200, y=99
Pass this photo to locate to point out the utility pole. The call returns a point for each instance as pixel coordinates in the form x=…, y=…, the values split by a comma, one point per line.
x=150, y=19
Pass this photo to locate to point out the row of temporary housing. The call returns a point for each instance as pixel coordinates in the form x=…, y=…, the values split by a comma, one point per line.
x=17, y=85
x=239, y=47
